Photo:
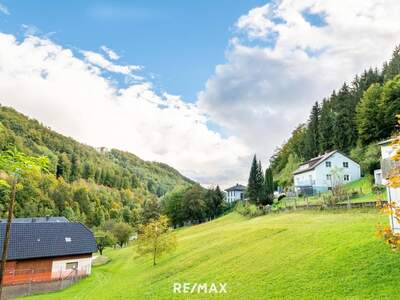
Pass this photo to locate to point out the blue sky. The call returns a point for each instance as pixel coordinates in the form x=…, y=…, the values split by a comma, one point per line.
x=179, y=42
x=222, y=80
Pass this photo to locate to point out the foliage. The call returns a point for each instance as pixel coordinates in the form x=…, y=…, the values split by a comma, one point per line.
x=104, y=239
x=269, y=186
x=392, y=208
x=155, y=238
x=122, y=232
x=255, y=188
x=193, y=205
x=83, y=183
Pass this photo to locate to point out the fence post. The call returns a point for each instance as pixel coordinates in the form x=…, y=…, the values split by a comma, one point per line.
x=295, y=203
x=307, y=201
x=348, y=201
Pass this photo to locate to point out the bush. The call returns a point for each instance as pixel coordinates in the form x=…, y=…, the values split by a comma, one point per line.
x=249, y=210
x=378, y=189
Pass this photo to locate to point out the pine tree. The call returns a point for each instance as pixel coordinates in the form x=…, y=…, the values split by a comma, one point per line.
x=260, y=184
x=326, y=127
x=312, y=137
x=256, y=181
x=344, y=133
x=392, y=69
x=269, y=186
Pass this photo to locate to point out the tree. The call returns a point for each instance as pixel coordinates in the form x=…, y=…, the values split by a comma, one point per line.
x=312, y=144
x=368, y=116
x=194, y=208
x=156, y=239
x=16, y=165
x=326, y=123
x=215, y=202
x=255, y=186
x=172, y=206
x=269, y=186
x=390, y=105
x=104, y=239
x=122, y=233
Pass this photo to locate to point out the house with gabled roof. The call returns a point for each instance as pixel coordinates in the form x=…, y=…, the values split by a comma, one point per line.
x=46, y=249
x=235, y=193
x=320, y=173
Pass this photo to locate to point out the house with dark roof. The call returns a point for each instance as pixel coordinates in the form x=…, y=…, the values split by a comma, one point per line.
x=235, y=193
x=321, y=173
x=46, y=249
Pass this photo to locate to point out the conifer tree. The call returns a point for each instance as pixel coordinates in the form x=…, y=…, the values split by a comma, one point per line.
x=269, y=186
x=326, y=124
x=312, y=136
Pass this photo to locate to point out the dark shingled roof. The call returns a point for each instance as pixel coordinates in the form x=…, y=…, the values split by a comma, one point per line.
x=47, y=239
x=37, y=219
x=237, y=187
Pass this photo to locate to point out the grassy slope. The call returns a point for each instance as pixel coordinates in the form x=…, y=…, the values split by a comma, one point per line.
x=301, y=255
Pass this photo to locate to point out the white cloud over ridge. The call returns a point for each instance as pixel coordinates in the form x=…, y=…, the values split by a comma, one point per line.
x=50, y=83
x=289, y=54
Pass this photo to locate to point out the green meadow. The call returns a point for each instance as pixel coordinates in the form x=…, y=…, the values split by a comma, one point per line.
x=298, y=255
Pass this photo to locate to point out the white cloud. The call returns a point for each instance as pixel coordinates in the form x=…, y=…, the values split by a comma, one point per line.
x=110, y=53
x=99, y=60
x=50, y=83
x=283, y=64
x=4, y=9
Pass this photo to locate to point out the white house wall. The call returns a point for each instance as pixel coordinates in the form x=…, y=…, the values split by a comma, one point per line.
x=317, y=178
x=336, y=160
x=234, y=196
x=59, y=267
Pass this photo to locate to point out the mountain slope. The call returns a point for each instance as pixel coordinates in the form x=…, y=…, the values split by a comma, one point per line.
x=73, y=160
x=300, y=255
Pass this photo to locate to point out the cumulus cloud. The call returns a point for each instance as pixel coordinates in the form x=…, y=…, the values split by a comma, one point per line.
x=110, y=53
x=99, y=60
x=46, y=81
x=289, y=54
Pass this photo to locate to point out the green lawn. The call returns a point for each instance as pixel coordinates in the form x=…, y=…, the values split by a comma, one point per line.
x=298, y=255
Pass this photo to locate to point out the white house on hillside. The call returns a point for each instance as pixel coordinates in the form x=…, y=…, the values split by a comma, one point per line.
x=320, y=173
x=235, y=193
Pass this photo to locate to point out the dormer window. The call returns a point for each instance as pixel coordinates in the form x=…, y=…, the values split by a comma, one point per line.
x=328, y=164
x=345, y=164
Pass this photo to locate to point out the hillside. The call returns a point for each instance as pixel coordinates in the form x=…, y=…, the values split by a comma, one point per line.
x=302, y=255
x=352, y=119
x=86, y=184
x=105, y=167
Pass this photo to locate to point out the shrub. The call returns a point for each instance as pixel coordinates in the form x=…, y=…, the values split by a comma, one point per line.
x=378, y=189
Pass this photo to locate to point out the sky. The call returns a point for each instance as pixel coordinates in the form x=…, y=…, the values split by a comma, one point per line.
x=200, y=85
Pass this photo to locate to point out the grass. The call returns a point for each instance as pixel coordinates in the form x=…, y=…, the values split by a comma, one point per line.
x=298, y=255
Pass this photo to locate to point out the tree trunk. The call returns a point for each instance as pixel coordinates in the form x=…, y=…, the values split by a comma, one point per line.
x=7, y=236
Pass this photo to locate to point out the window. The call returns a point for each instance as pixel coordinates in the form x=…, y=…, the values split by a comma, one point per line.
x=328, y=177
x=345, y=164
x=71, y=265
x=346, y=177
x=328, y=164
x=68, y=240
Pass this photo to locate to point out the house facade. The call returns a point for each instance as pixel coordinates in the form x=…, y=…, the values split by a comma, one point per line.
x=46, y=249
x=321, y=173
x=235, y=193
x=387, y=164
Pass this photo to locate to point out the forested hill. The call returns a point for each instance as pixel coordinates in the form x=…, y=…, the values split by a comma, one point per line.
x=115, y=182
x=352, y=119
x=73, y=160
